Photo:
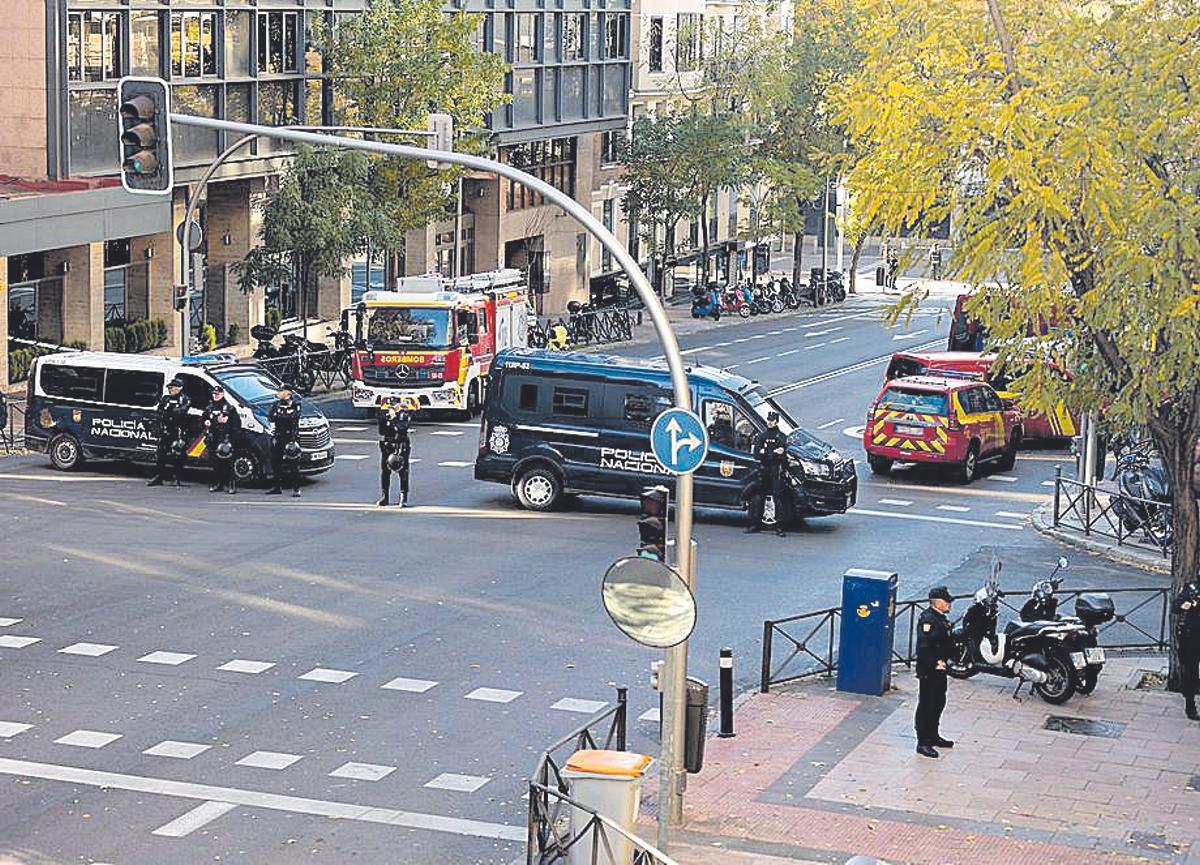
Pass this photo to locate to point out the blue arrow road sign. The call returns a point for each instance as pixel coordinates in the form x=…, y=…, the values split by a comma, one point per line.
x=679, y=441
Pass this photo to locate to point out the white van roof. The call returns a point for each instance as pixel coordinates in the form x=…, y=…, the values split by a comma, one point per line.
x=120, y=360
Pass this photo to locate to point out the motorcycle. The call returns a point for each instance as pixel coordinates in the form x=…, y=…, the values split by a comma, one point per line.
x=789, y=295
x=734, y=301
x=290, y=362
x=771, y=298
x=1040, y=652
x=827, y=286
x=706, y=304
x=1145, y=500
x=1092, y=609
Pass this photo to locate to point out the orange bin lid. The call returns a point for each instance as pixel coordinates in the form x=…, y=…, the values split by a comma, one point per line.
x=618, y=763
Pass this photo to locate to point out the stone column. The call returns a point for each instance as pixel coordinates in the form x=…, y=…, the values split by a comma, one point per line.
x=4, y=321
x=233, y=226
x=333, y=295
x=82, y=292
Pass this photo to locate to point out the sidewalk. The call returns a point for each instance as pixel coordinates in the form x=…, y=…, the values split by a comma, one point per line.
x=814, y=776
x=1069, y=532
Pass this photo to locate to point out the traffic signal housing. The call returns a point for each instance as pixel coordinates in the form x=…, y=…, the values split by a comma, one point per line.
x=652, y=523
x=144, y=127
x=181, y=297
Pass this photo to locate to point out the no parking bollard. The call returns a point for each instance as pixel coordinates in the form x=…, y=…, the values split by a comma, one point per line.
x=726, y=685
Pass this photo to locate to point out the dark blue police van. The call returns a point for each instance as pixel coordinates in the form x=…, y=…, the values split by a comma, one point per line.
x=557, y=424
x=102, y=405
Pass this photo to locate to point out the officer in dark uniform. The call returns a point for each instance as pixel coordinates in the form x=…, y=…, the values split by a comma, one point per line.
x=1187, y=608
x=172, y=429
x=934, y=649
x=221, y=427
x=770, y=449
x=395, y=448
x=285, y=441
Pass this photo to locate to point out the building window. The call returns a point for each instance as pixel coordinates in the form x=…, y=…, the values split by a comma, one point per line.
x=277, y=42
x=237, y=44
x=116, y=260
x=687, y=41
x=608, y=218
x=276, y=107
x=525, y=97
x=191, y=143
x=573, y=35
x=193, y=44
x=94, y=45
x=616, y=36
x=92, y=117
x=552, y=161
x=527, y=39
x=143, y=44
x=656, y=44
x=634, y=243
x=611, y=143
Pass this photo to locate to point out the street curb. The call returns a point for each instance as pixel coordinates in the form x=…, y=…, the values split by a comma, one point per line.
x=1043, y=524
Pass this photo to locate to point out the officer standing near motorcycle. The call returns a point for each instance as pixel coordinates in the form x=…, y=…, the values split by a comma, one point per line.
x=395, y=448
x=934, y=649
x=285, y=441
x=172, y=427
x=1187, y=608
x=221, y=426
x=770, y=449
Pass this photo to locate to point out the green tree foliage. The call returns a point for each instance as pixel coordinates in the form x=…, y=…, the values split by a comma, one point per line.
x=1064, y=139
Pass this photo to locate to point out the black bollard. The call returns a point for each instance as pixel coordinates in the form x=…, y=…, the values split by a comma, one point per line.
x=726, y=685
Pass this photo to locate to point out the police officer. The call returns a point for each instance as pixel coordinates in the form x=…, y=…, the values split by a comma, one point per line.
x=1187, y=608
x=934, y=649
x=893, y=268
x=395, y=448
x=172, y=428
x=770, y=449
x=285, y=441
x=221, y=426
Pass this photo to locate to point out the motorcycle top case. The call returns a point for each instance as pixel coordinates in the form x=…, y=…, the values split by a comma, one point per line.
x=1094, y=608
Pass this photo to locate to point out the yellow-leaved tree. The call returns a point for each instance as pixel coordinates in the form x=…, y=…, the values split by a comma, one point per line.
x=1064, y=140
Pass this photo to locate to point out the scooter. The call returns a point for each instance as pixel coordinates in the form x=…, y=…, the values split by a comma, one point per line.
x=789, y=295
x=706, y=304
x=771, y=301
x=1092, y=609
x=1145, y=501
x=1035, y=652
x=734, y=301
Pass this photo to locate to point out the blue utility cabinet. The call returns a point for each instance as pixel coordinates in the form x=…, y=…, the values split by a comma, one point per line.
x=868, y=625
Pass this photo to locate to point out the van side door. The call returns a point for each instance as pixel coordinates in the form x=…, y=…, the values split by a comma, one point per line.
x=730, y=467
x=572, y=426
x=198, y=390
x=627, y=464
x=129, y=420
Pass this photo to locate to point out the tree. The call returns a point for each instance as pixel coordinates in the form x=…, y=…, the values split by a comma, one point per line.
x=1064, y=140
x=856, y=228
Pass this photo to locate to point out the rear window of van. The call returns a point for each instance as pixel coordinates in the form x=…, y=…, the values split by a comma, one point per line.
x=73, y=382
x=920, y=402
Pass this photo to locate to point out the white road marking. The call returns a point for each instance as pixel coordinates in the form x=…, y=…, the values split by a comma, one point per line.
x=362, y=771
x=69, y=479
x=759, y=336
x=456, y=464
x=268, y=760
x=177, y=750
x=197, y=818
x=958, y=509
x=791, y=329
x=8, y=729
x=757, y=360
x=250, y=667
x=788, y=353
x=741, y=340
x=493, y=695
x=855, y=367
x=815, y=345
x=899, y=503
x=415, y=686
x=170, y=659
x=457, y=783
x=330, y=677
x=719, y=344
x=650, y=715
x=1004, y=479
x=980, y=524
x=466, y=424
x=87, y=739
x=4, y=623
x=812, y=333
x=90, y=650
x=338, y=441
x=899, y=336
x=350, y=457
x=1011, y=515
x=342, y=428
x=839, y=339
x=1047, y=483
x=11, y=641
x=256, y=799
x=583, y=707
x=828, y=424
x=769, y=332
x=446, y=432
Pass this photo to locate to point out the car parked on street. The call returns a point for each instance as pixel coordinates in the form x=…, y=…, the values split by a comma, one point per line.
x=958, y=422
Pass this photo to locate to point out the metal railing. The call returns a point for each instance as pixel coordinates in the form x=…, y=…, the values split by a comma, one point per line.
x=12, y=428
x=1095, y=510
x=551, y=831
x=589, y=327
x=810, y=640
x=327, y=369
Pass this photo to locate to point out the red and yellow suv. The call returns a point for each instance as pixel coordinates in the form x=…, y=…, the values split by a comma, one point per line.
x=944, y=420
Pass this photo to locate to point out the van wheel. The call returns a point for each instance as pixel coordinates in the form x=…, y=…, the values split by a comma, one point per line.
x=539, y=489
x=65, y=453
x=1009, y=458
x=969, y=467
x=245, y=468
x=879, y=465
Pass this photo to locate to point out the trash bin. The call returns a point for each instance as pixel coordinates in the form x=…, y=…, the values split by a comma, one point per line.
x=609, y=783
x=868, y=623
x=881, y=276
x=696, y=725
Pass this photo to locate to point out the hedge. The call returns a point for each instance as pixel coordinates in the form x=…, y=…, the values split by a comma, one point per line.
x=20, y=359
x=141, y=334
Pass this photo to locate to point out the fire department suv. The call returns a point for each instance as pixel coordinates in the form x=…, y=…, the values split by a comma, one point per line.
x=434, y=339
x=942, y=420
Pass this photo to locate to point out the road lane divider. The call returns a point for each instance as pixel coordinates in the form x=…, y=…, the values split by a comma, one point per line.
x=929, y=518
x=854, y=367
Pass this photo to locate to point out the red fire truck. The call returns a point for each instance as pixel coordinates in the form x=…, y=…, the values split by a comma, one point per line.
x=434, y=339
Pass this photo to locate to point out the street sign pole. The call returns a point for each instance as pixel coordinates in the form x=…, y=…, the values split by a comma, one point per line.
x=672, y=813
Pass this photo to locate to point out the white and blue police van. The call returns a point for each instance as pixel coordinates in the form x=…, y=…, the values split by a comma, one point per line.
x=102, y=405
x=557, y=424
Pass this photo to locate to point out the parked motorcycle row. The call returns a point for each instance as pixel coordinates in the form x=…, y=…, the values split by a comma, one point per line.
x=301, y=361
x=774, y=296
x=1059, y=656
x=1145, y=501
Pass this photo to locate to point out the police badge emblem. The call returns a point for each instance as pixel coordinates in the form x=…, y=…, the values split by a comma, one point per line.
x=499, y=439
x=76, y=415
x=727, y=469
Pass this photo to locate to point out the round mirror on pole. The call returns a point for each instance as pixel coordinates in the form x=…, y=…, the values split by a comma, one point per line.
x=649, y=602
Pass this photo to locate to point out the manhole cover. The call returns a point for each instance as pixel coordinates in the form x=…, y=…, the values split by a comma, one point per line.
x=1151, y=680
x=1151, y=841
x=1084, y=726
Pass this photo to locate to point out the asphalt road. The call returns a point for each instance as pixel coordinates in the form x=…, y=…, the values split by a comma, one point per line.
x=194, y=677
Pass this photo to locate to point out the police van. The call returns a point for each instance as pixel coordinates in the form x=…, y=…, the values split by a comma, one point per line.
x=556, y=424
x=102, y=405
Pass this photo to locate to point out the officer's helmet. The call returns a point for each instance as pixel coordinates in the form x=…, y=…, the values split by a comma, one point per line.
x=291, y=451
x=224, y=450
x=394, y=462
x=178, y=446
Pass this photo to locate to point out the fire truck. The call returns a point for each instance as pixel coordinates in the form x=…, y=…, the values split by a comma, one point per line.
x=434, y=338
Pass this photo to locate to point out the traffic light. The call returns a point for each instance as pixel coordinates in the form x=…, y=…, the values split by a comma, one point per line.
x=181, y=297
x=442, y=127
x=652, y=524
x=144, y=126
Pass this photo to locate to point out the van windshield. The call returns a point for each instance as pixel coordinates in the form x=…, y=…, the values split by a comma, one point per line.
x=921, y=402
x=253, y=386
x=409, y=327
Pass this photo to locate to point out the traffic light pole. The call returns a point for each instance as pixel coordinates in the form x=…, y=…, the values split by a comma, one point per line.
x=671, y=770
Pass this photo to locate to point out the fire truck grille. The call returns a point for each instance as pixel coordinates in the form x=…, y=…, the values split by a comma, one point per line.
x=392, y=376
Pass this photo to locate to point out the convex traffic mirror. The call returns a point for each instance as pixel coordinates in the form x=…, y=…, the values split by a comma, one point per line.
x=649, y=602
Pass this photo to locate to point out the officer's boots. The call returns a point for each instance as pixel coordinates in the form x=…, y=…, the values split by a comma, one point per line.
x=155, y=481
x=1189, y=707
x=232, y=488
x=383, y=498
x=215, y=486
x=404, y=500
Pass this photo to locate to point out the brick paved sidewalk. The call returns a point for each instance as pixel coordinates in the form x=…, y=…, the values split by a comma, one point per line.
x=818, y=776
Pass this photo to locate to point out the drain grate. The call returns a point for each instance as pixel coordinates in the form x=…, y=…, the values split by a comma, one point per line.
x=1084, y=726
x=1152, y=842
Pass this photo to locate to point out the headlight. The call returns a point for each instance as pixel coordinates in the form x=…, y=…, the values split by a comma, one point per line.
x=817, y=470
